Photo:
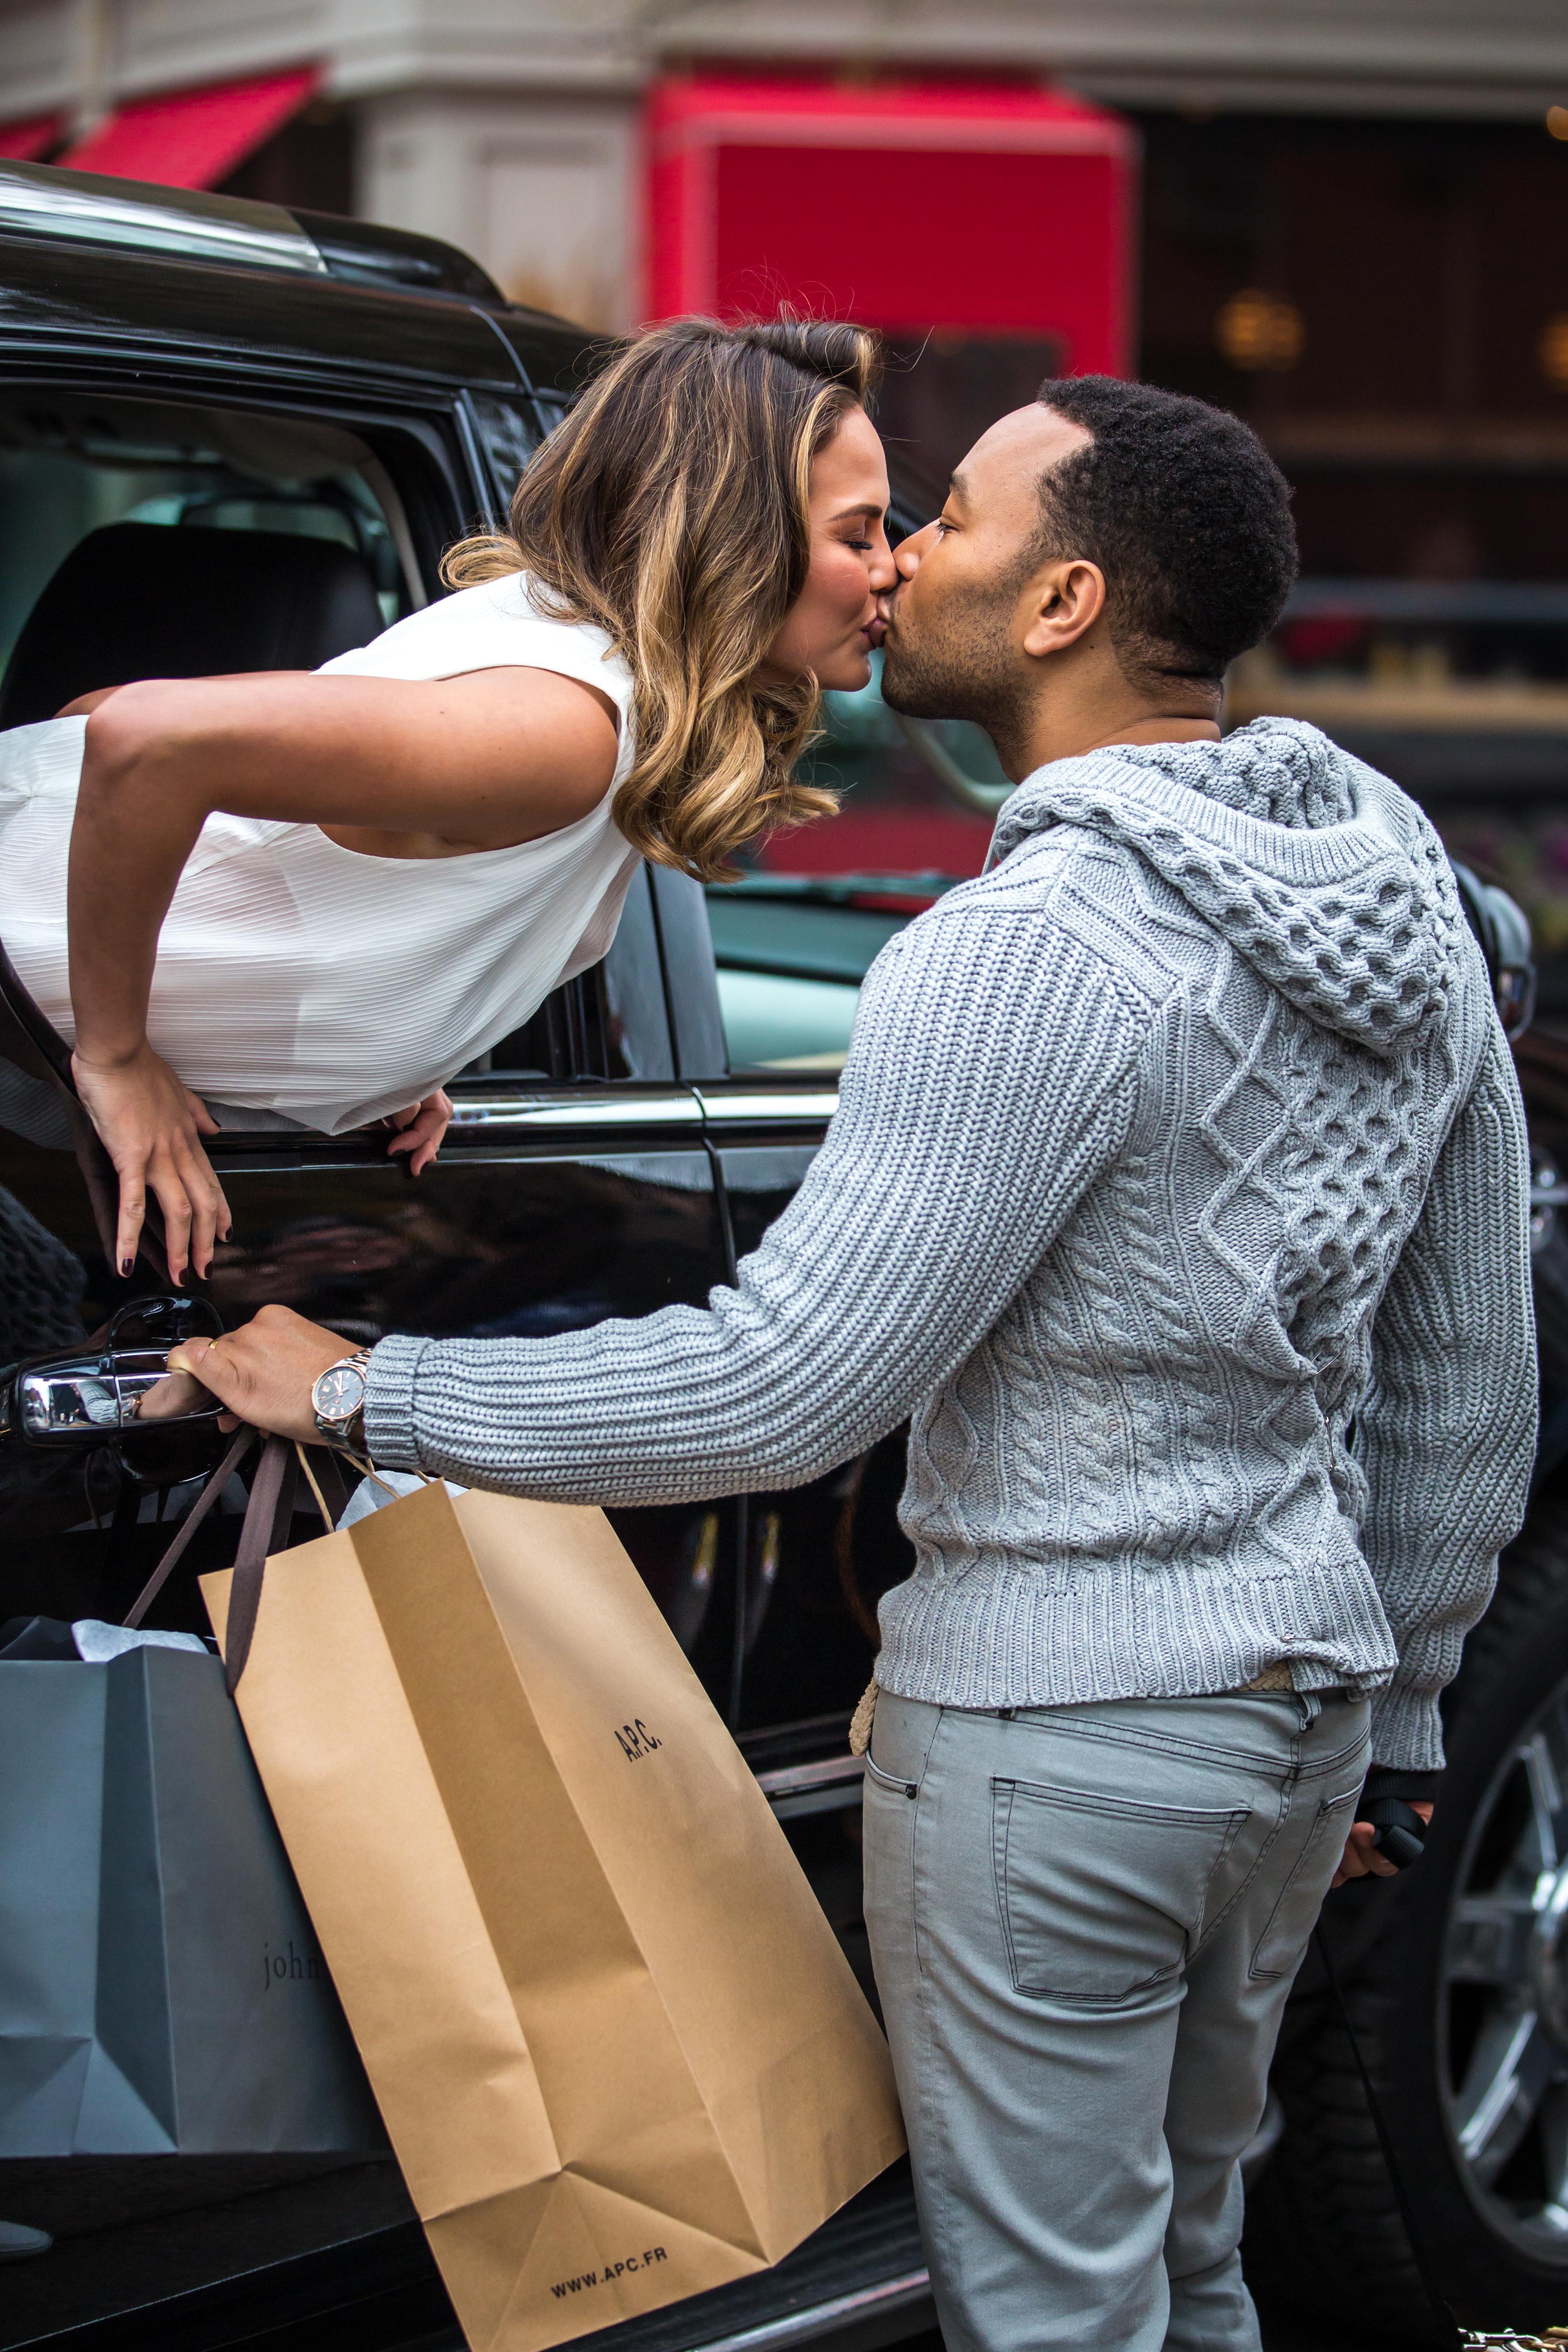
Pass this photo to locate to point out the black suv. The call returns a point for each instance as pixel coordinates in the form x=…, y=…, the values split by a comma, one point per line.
x=234, y=437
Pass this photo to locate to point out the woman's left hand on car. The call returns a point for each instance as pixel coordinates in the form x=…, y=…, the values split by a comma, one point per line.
x=151, y=1126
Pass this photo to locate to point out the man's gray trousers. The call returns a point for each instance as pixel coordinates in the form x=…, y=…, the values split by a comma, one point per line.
x=1085, y=1922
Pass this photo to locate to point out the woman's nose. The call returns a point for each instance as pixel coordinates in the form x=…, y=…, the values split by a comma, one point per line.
x=884, y=566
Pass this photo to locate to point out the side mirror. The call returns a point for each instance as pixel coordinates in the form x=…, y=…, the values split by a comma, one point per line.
x=1502, y=931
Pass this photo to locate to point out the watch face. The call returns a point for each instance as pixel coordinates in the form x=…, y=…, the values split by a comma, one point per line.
x=340, y=1392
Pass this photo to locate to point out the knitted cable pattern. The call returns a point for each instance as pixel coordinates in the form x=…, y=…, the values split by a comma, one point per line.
x=1178, y=1194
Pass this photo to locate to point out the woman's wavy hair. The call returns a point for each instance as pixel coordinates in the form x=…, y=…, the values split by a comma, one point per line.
x=670, y=509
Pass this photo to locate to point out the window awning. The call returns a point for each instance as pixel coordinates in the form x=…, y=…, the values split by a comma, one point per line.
x=22, y=142
x=194, y=138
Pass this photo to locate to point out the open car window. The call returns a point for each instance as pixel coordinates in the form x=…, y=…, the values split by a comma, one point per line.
x=72, y=463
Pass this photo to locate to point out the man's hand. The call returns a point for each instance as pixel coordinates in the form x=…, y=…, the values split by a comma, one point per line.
x=1361, y=1858
x=264, y=1373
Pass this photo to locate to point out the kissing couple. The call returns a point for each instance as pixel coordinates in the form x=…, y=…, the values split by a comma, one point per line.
x=1177, y=1196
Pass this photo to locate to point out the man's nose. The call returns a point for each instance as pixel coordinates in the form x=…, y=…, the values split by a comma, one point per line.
x=907, y=554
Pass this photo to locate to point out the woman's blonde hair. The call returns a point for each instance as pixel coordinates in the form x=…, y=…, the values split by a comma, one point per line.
x=670, y=510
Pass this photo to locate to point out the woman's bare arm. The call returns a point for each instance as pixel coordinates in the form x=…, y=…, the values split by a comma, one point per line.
x=394, y=767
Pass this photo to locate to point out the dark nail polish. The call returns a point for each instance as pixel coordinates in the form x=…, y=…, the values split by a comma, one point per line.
x=126, y=1267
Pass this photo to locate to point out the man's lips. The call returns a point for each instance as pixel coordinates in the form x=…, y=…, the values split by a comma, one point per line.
x=874, y=631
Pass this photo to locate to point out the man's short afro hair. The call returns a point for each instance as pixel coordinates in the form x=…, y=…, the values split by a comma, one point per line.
x=1185, y=512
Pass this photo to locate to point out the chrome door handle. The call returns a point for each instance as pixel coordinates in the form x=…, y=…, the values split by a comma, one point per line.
x=81, y=1400
x=88, y=1395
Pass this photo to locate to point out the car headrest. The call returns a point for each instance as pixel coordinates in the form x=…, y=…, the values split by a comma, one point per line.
x=159, y=599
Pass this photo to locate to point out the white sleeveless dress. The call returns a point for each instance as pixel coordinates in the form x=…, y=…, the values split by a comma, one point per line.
x=297, y=978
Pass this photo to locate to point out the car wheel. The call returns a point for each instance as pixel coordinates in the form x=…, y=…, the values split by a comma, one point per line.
x=1456, y=1979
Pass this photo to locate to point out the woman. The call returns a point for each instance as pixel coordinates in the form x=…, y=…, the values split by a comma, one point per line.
x=321, y=894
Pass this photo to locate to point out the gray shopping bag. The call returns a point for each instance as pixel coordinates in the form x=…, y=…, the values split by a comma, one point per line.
x=161, y=1987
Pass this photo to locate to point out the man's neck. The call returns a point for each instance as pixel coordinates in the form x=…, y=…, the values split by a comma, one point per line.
x=1074, y=725
x=1043, y=744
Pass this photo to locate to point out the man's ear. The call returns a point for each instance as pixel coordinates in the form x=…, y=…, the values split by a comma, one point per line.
x=1061, y=604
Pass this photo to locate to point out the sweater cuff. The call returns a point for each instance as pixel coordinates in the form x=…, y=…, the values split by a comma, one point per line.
x=390, y=1435
x=1407, y=1730
x=1387, y=1781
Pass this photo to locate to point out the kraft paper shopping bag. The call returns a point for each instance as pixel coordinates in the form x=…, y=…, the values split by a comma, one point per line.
x=618, y=2051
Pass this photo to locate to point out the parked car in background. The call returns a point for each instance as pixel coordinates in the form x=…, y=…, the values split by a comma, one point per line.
x=284, y=385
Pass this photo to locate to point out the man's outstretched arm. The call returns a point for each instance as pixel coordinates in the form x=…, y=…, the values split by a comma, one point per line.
x=991, y=1077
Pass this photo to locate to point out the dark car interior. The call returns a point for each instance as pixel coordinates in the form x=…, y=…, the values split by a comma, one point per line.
x=234, y=541
x=136, y=600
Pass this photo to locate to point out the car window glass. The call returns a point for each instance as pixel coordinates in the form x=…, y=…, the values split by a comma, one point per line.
x=792, y=955
x=608, y=1023
x=509, y=437
x=69, y=465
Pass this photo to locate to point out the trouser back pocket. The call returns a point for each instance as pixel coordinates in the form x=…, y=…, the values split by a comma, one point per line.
x=1291, y=1922
x=1101, y=1896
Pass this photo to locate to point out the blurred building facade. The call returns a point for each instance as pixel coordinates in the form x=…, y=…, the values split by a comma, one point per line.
x=512, y=127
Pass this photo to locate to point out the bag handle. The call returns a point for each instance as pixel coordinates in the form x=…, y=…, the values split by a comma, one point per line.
x=266, y=1520
x=188, y=1524
x=265, y=1524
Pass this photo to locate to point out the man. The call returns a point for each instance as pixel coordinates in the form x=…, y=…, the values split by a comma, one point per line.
x=1178, y=1191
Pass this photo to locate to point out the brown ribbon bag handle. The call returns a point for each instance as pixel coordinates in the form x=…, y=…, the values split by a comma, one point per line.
x=268, y=1517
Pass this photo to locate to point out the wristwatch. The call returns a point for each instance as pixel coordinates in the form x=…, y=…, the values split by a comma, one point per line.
x=338, y=1401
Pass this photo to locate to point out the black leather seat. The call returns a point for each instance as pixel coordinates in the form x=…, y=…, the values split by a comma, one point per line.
x=154, y=600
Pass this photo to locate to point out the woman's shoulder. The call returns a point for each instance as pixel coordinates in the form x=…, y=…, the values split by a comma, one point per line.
x=497, y=624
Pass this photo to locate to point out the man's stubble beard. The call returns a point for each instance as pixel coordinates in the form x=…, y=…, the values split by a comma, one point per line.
x=967, y=669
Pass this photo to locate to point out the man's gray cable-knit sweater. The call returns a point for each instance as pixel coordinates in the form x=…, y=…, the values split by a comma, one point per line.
x=1180, y=1192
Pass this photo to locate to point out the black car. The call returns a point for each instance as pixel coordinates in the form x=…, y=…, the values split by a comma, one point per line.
x=234, y=437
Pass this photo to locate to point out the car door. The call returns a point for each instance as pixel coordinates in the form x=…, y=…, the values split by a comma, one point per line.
x=576, y=1183
x=90, y=440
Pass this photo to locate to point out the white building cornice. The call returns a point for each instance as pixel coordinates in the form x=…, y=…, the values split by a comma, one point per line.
x=1399, y=57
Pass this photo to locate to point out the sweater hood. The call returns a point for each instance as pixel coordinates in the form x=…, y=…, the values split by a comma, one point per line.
x=1321, y=873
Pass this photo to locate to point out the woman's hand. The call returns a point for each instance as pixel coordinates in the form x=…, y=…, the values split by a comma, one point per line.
x=264, y=1373
x=420, y=1131
x=150, y=1126
x=1361, y=1858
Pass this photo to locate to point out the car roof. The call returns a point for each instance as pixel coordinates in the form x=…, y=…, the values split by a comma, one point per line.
x=81, y=251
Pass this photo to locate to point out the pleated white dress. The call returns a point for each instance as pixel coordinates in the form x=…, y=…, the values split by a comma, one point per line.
x=300, y=977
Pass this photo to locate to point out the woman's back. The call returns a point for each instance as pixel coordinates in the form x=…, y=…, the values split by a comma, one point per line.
x=283, y=953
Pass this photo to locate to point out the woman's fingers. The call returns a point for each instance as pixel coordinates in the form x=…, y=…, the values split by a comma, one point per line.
x=422, y=1130
x=151, y=1128
x=192, y=1202
x=216, y=1205
x=174, y=1202
x=128, y=1223
x=202, y=1193
x=201, y=1116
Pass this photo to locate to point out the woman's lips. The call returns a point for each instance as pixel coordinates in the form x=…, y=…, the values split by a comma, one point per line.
x=874, y=631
